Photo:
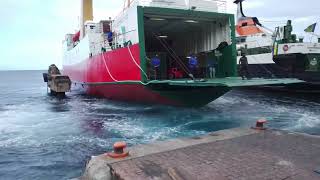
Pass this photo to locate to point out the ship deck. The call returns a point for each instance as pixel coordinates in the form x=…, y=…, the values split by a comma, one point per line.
x=229, y=82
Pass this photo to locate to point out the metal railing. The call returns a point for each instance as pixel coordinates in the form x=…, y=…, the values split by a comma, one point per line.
x=119, y=40
x=198, y=5
x=219, y=6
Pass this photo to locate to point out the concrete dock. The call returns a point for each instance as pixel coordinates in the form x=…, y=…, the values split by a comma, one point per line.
x=222, y=155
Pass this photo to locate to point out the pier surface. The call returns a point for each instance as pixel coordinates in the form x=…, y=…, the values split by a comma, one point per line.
x=229, y=154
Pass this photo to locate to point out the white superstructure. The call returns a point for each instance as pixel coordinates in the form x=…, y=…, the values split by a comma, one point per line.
x=253, y=39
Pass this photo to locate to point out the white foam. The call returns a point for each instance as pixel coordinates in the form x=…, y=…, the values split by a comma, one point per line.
x=307, y=120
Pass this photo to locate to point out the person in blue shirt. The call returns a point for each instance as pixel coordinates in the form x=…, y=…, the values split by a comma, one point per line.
x=155, y=63
x=212, y=63
x=110, y=38
x=193, y=63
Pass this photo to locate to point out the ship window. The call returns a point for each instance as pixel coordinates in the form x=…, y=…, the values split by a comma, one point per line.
x=245, y=24
x=243, y=40
x=92, y=27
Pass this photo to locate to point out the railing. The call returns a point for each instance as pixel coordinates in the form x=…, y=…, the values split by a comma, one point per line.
x=120, y=40
x=198, y=5
x=219, y=6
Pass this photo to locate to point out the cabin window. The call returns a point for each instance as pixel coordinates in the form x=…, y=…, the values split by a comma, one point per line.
x=241, y=39
x=244, y=24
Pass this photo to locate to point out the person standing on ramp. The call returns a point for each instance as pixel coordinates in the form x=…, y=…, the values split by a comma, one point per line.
x=243, y=62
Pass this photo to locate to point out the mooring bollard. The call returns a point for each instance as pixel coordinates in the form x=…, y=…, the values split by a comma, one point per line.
x=260, y=124
x=119, y=150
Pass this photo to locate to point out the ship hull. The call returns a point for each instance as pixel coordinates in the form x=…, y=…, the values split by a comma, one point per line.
x=166, y=94
x=262, y=66
x=271, y=70
x=118, y=65
x=288, y=66
x=116, y=75
x=300, y=66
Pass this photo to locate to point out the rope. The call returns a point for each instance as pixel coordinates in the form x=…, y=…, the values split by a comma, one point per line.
x=105, y=64
x=177, y=57
x=124, y=81
x=135, y=62
x=174, y=56
x=171, y=52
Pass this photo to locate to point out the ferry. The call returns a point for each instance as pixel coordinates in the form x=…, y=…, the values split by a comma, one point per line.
x=180, y=53
x=299, y=58
x=256, y=41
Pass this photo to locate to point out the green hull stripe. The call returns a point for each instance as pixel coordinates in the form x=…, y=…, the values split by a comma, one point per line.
x=193, y=97
x=217, y=82
x=184, y=13
x=143, y=63
x=233, y=58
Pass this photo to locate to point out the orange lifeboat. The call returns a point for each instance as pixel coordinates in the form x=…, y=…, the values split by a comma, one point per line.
x=247, y=27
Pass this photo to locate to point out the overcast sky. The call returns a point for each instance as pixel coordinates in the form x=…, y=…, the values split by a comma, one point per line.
x=31, y=31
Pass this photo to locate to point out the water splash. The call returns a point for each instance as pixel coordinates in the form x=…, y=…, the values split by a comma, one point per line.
x=41, y=136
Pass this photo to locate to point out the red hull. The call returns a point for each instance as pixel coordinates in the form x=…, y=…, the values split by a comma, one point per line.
x=119, y=62
x=100, y=76
x=129, y=92
x=92, y=76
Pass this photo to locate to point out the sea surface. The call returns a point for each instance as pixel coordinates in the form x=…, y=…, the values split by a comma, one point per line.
x=43, y=137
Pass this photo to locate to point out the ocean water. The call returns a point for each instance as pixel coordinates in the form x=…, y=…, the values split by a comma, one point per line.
x=42, y=137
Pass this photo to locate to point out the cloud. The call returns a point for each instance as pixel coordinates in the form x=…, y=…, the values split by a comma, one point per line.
x=273, y=13
x=281, y=8
x=255, y=4
x=32, y=30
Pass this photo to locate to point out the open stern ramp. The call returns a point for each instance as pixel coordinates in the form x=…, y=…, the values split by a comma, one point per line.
x=230, y=82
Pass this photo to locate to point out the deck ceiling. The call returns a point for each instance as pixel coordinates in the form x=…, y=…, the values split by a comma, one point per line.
x=171, y=25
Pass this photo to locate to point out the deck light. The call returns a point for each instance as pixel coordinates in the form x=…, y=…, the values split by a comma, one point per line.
x=190, y=21
x=162, y=36
x=157, y=19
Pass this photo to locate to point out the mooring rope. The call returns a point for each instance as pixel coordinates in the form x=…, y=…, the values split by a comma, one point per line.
x=172, y=53
x=105, y=64
x=124, y=81
x=135, y=62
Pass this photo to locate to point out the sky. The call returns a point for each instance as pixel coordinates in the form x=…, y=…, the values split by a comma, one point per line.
x=32, y=31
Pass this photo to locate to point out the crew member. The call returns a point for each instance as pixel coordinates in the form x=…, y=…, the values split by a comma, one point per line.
x=287, y=32
x=155, y=62
x=193, y=64
x=243, y=62
x=212, y=63
x=110, y=38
